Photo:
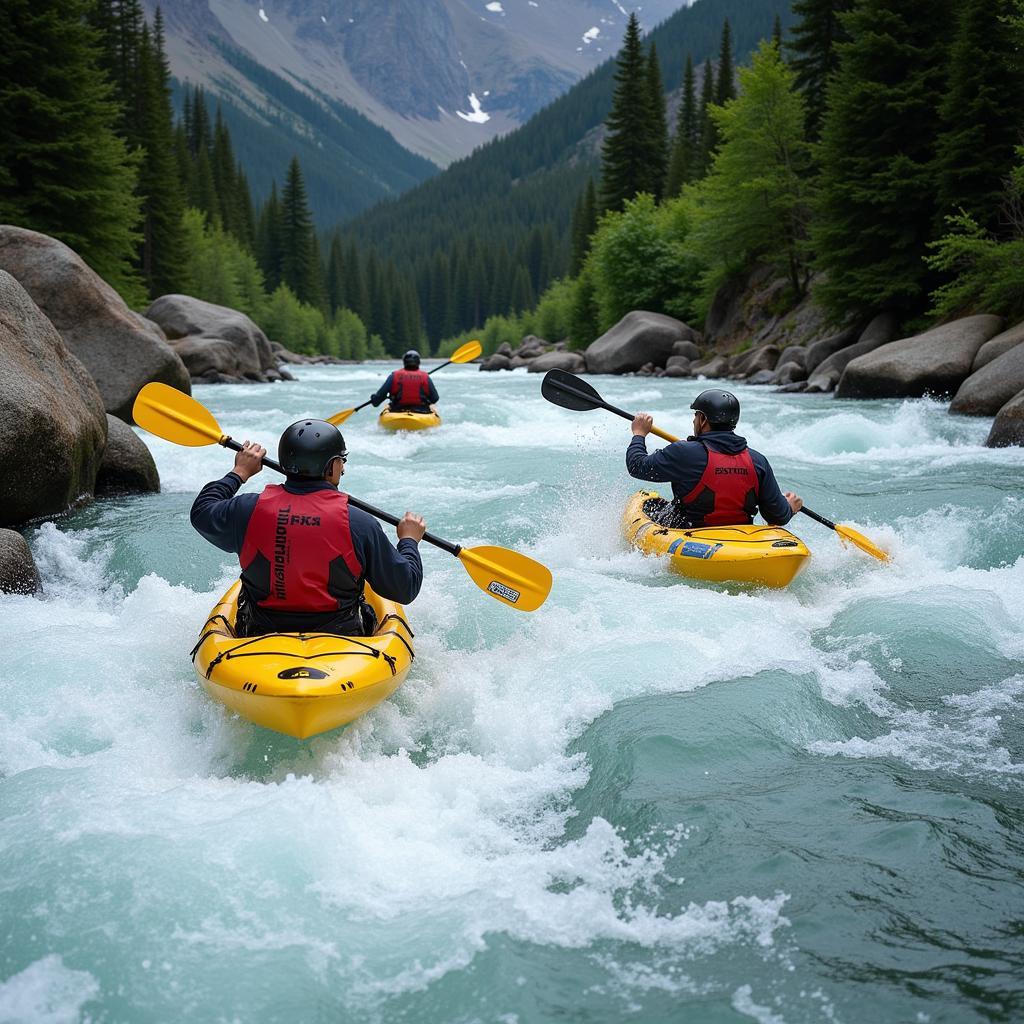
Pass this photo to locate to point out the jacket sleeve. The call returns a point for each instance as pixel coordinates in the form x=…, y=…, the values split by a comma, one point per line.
x=771, y=501
x=641, y=466
x=222, y=516
x=394, y=573
x=382, y=392
x=432, y=395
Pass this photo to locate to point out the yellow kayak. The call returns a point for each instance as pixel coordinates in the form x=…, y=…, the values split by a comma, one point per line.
x=302, y=684
x=766, y=555
x=409, y=420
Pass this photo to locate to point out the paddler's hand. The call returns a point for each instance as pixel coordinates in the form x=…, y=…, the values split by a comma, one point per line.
x=643, y=424
x=249, y=461
x=795, y=501
x=412, y=527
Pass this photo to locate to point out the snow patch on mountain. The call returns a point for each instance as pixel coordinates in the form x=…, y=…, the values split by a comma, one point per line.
x=478, y=114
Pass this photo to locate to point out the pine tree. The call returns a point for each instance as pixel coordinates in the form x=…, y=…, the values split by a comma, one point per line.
x=357, y=295
x=300, y=264
x=63, y=169
x=683, y=161
x=162, y=256
x=725, y=86
x=878, y=178
x=522, y=292
x=658, y=160
x=707, y=131
x=335, y=274
x=777, y=33
x=627, y=146
x=269, y=230
x=981, y=124
x=225, y=179
x=584, y=223
x=815, y=38
x=203, y=190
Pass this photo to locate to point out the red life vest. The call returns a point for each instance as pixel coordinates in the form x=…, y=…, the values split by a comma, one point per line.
x=408, y=388
x=298, y=556
x=727, y=491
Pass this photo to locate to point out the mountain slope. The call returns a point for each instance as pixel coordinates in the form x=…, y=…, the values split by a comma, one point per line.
x=533, y=176
x=442, y=76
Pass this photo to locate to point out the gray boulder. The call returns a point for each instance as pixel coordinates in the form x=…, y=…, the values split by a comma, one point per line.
x=936, y=362
x=531, y=346
x=758, y=360
x=796, y=387
x=793, y=354
x=716, y=366
x=216, y=343
x=687, y=349
x=498, y=361
x=127, y=466
x=571, y=361
x=120, y=349
x=987, y=390
x=52, y=424
x=789, y=373
x=879, y=332
x=504, y=349
x=679, y=363
x=995, y=347
x=819, y=351
x=1008, y=428
x=638, y=338
x=676, y=371
x=18, y=572
x=761, y=377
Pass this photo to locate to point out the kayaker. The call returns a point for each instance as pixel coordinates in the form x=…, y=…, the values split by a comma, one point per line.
x=716, y=479
x=409, y=389
x=305, y=551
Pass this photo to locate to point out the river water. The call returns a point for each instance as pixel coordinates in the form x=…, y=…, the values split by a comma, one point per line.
x=648, y=801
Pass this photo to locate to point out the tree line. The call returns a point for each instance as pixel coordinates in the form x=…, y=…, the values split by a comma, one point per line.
x=91, y=152
x=873, y=154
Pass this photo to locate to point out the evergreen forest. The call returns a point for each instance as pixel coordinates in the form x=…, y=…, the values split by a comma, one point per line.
x=868, y=150
x=872, y=154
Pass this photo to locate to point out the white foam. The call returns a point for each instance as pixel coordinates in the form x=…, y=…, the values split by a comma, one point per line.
x=46, y=992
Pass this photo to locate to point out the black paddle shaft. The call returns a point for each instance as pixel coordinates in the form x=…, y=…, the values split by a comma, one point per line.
x=818, y=519
x=387, y=517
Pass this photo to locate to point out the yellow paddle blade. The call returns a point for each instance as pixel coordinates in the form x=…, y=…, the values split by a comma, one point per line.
x=860, y=541
x=175, y=416
x=466, y=353
x=508, y=576
x=339, y=417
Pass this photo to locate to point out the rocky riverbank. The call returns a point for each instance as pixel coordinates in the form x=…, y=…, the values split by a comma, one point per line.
x=73, y=357
x=977, y=361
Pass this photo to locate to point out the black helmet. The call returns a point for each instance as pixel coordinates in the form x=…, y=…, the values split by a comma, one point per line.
x=411, y=360
x=721, y=408
x=307, y=448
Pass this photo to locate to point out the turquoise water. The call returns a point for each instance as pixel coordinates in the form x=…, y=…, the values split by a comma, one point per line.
x=648, y=801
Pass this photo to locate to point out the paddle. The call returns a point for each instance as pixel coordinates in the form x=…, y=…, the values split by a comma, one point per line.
x=570, y=392
x=507, y=576
x=463, y=354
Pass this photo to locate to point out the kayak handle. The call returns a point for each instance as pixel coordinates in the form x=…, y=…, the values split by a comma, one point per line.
x=387, y=517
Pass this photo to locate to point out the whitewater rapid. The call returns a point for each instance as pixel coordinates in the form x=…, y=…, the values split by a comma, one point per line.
x=649, y=800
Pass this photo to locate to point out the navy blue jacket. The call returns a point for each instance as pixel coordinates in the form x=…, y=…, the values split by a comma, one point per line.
x=429, y=398
x=682, y=463
x=222, y=517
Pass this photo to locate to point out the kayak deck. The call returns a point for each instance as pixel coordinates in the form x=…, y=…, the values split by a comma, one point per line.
x=768, y=556
x=409, y=420
x=302, y=684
